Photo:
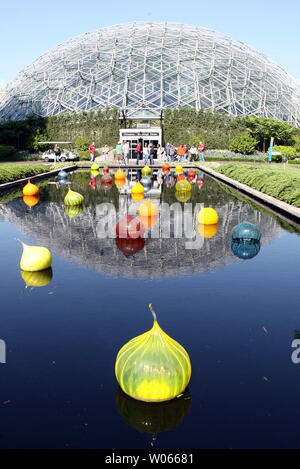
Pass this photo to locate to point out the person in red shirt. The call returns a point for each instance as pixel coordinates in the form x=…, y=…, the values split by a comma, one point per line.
x=201, y=149
x=92, y=151
x=138, y=152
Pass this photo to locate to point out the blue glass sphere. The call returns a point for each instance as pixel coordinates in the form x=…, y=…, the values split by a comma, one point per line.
x=246, y=231
x=62, y=182
x=62, y=174
x=245, y=249
x=146, y=183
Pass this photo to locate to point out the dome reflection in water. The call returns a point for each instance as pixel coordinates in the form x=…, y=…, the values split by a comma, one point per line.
x=155, y=418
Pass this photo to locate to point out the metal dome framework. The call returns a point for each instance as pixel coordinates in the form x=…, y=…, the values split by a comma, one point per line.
x=143, y=68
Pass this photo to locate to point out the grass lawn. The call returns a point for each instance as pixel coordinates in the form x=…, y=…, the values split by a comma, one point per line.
x=269, y=179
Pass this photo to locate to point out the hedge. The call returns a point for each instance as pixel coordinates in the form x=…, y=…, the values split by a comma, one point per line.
x=274, y=182
x=13, y=172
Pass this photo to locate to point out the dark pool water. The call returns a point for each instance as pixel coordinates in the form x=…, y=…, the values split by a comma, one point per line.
x=236, y=318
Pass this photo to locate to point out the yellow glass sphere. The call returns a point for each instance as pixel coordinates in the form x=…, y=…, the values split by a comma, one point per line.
x=137, y=197
x=95, y=167
x=137, y=189
x=208, y=216
x=178, y=169
x=207, y=231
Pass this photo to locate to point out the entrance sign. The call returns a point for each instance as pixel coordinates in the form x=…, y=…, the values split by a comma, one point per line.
x=142, y=136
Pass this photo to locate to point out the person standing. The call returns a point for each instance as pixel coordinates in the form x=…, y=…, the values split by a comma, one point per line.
x=167, y=150
x=201, y=149
x=138, y=152
x=119, y=152
x=151, y=153
x=92, y=151
x=160, y=152
x=146, y=153
x=125, y=148
x=181, y=153
x=186, y=155
x=105, y=152
x=57, y=153
x=172, y=152
x=193, y=152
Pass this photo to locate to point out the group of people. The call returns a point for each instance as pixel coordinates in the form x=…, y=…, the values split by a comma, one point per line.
x=147, y=152
x=184, y=153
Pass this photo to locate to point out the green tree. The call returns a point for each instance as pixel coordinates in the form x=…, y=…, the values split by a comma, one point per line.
x=243, y=144
x=263, y=128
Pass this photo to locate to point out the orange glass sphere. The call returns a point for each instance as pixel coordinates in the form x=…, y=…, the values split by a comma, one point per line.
x=30, y=200
x=147, y=209
x=30, y=189
x=148, y=222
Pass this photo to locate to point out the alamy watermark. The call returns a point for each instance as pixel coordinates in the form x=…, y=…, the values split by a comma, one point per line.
x=171, y=222
x=2, y=351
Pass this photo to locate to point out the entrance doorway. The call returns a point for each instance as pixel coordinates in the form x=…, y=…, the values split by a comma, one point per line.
x=142, y=136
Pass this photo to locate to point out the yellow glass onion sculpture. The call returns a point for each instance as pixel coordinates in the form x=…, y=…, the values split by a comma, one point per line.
x=137, y=189
x=37, y=279
x=73, y=198
x=120, y=174
x=147, y=209
x=95, y=167
x=137, y=197
x=30, y=189
x=183, y=196
x=183, y=186
x=146, y=171
x=208, y=216
x=35, y=258
x=153, y=367
x=178, y=169
x=73, y=211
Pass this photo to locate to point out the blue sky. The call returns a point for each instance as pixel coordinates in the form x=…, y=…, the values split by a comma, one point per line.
x=30, y=28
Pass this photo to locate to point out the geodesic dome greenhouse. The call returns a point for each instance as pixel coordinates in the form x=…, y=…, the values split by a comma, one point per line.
x=144, y=68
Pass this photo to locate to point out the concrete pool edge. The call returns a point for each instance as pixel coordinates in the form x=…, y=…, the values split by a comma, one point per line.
x=38, y=177
x=268, y=200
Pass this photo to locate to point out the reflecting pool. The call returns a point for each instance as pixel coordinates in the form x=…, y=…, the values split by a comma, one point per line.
x=233, y=305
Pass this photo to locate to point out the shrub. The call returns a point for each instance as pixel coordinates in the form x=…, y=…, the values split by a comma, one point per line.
x=286, y=150
x=82, y=143
x=275, y=182
x=6, y=152
x=86, y=156
x=12, y=172
x=243, y=143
